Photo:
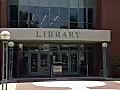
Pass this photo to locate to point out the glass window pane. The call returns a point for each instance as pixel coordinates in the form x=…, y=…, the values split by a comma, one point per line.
x=38, y=3
x=90, y=26
x=64, y=14
x=44, y=24
x=73, y=25
x=13, y=13
x=44, y=17
x=13, y=24
x=53, y=3
x=82, y=26
x=63, y=3
x=58, y=3
x=90, y=3
x=24, y=2
x=73, y=15
x=82, y=15
x=23, y=13
x=54, y=16
x=90, y=15
x=73, y=3
x=81, y=3
x=39, y=16
x=12, y=2
x=44, y=3
x=23, y=25
x=64, y=25
x=54, y=25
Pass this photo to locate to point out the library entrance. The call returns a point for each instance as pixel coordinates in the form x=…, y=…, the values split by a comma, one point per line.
x=55, y=60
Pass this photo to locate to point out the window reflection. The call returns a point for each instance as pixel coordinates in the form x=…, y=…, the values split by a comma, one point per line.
x=73, y=15
x=82, y=15
x=24, y=17
x=24, y=11
x=64, y=25
x=43, y=17
x=64, y=14
x=73, y=25
x=55, y=17
x=73, y=3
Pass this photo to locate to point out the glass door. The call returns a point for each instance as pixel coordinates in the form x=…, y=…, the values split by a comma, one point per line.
x=44, y=63
x=38, y=63
x=65, y=62
x=74, y=64
x=33, y=62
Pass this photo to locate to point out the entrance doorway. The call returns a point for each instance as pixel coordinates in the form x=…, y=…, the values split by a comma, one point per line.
x=49, y=60
x=38, y=63
x=43, y=62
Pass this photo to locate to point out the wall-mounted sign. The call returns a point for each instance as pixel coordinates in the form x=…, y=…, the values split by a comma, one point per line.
x=50, y=34
x=57, y=68
x=58, y=34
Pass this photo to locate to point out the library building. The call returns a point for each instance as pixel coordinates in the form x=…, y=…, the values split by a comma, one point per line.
x=54, y=38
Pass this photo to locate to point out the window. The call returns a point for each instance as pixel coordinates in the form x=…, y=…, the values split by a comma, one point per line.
x=90, y=18
x=71, y=14
x=13, y=16
x=73, y=18
x=64, y=15
x=40, y=17
x=73, y=3
x=54, y=17
x=82, y=18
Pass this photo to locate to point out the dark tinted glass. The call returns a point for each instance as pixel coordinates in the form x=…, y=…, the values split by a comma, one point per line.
x=73, y=15
x=39, y=16
x=90, y=18
x=64, y=15
x=13, y=13
x=82, y=18
x=54, y=17
x=73, y=25
x=64, y=25
x=13, y=24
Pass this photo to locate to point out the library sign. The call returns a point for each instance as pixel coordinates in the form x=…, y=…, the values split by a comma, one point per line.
x=65, y=35
x=58, y=34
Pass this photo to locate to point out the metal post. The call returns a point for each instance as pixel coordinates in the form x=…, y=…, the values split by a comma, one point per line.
x=5, y=36
x=87, y=62
x=5, y=58
x=10, y=62
x=3, y=67
x=6, y=63
x=105, y=62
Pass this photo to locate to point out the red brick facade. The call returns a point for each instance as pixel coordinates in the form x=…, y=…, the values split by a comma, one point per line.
x=107, y=17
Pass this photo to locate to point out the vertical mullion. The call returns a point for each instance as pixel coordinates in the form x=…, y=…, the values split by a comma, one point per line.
x=18, y=14
x=86, y=4
x=78, y=15
x=28, y=21
x=69, y=14
x=49, y=17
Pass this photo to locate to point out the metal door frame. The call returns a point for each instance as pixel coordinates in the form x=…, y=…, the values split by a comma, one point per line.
x=61, y=52
x=29, y=61
x=38, y=62
x=48, y=63
x=72, y=52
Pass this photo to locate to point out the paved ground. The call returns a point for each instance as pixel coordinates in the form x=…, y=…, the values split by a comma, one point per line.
x=65, y=85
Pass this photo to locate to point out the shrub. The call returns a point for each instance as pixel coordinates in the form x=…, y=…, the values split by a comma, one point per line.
x=116, y=67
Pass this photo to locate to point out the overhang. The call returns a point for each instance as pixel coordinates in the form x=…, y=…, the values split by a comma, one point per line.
x=58, y=35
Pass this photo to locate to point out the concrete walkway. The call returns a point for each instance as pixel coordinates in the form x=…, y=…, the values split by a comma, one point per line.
x=65, y=85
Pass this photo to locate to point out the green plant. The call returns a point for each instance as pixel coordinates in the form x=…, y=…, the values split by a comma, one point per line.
x=116, y=67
